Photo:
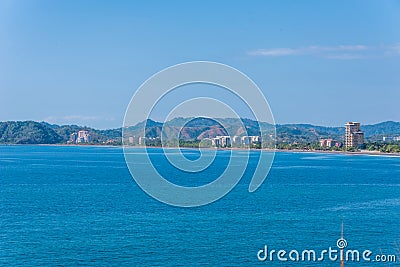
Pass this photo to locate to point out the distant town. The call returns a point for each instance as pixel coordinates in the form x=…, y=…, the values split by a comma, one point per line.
x=220, y=141
x=354, y=140
x=354, y=137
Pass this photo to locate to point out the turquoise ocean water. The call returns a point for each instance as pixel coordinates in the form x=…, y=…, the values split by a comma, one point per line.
x=79, y=206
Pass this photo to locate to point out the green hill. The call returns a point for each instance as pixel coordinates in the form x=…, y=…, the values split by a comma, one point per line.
x=31, y=132
x=27, y=132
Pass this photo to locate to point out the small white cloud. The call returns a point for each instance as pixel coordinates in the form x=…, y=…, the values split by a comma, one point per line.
x=274, y=52
x=352, y=47
x=331, y=52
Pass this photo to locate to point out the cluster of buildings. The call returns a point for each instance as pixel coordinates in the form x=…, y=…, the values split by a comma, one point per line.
x=354, y=137
x=82, y=136
x=227, y=141
x=329, y=143
x=142, y=140
x=133, y=140
x=219, y=141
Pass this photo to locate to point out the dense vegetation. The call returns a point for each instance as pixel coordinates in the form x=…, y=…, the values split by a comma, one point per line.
x=393, y=147
x=27, y=132
x=31, y=132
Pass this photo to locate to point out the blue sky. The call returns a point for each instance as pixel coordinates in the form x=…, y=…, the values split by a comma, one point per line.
x=317, y=62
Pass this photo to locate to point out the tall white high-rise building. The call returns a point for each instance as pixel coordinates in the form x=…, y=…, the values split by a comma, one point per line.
x=354, y=136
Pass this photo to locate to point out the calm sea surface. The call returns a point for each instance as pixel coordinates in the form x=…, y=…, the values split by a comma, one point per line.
x=80, y=206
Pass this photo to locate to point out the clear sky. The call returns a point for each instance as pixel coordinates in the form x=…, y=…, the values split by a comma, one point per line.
x=320, y=62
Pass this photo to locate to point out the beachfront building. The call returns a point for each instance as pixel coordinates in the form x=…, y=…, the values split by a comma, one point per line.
x=215, y=142
x=131, y=140
x=327, y=142
x=225, y=141
x=237, y=141
x=83, y=137
x=255, y=139
x=221, y=141
x=246, y=140
x=251, y=139
x=354, y=136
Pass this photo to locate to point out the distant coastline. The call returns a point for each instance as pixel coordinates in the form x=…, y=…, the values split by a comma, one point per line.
x=361, y=152
x=289, y=137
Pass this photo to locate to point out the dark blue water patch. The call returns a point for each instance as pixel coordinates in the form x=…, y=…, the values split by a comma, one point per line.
x=187, y=178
